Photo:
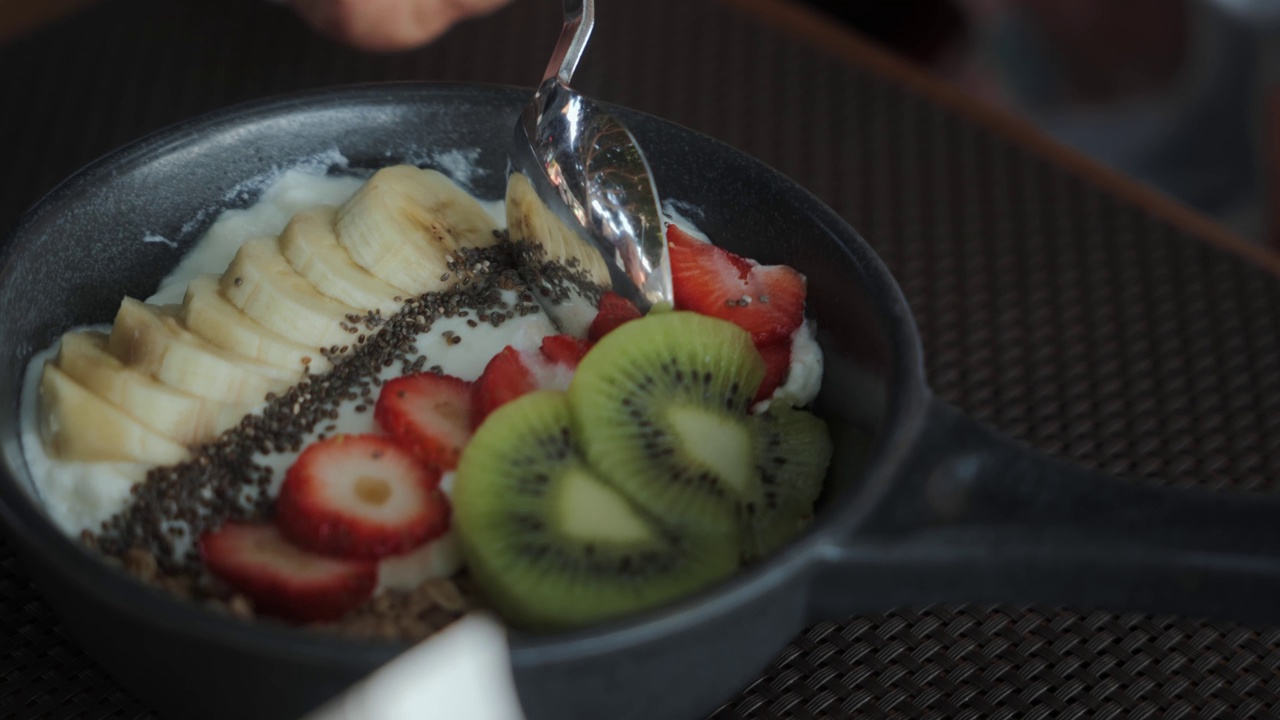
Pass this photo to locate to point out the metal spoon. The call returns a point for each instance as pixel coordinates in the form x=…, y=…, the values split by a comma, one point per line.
x=588, y=171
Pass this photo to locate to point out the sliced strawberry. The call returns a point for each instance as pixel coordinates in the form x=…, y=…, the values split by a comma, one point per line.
x=565, y=349
x=428, y=414
x=360, y=497
x=678, y=237
x=505, y=378
x=282, y=579
x=765, y=300
x=777, y=362
x=512, y=373
x=614, y=310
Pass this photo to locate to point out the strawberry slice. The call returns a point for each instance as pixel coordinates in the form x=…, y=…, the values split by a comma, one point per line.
x=282, y=579
x=360, y=497
x=512, y=373
x=504, y=379
x=777, y=363
x=678, y=237
x=765, y=300
x=428, y=414
x=565, y=349
x=614, y=310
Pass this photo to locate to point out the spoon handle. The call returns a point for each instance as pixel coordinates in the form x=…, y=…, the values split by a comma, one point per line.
x=579, y=20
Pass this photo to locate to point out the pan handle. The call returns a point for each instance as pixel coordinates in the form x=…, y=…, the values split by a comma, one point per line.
x=977, y=517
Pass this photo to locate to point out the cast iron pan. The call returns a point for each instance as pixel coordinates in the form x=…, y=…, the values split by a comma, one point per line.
x=941, y=509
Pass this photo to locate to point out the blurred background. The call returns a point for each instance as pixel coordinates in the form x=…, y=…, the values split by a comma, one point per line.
x=1183, y=95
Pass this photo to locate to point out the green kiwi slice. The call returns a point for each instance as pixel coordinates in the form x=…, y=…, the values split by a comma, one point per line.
x=660, y=405
x=793, y=450
x=550, y=541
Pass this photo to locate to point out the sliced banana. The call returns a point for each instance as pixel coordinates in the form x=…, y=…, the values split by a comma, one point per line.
x=311, y=247
x=529, y=219
x=77, y=424
x=404, y=222
x=152, y=340
x=206, y=313
x=265, y=287
x=183, y=418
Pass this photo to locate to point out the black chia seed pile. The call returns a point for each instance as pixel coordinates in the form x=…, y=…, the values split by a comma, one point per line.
x=222, y=482
x=555, y=281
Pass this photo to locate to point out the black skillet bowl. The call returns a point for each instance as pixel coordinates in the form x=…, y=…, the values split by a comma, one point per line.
x=940, y=509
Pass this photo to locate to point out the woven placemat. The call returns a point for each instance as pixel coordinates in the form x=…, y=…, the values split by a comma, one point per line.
x=1050, y=309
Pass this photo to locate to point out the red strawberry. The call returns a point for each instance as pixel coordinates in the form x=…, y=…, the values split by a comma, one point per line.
x=765, y=300
x=360, y=497
x=614, y=310
x=505, y=378
x=777, y=361
x=678, y=237
x=512, y=373
x=428, y=414
x=283, y=580
x=565, y=349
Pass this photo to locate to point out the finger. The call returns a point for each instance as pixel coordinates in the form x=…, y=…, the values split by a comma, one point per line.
x=386, y=25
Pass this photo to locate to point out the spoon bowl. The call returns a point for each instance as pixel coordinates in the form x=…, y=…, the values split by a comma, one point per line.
x=592, y=180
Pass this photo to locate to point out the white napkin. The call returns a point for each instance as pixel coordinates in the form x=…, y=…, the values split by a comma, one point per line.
x=461, y=673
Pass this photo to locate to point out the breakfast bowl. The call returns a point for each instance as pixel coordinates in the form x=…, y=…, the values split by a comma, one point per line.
x=921, y=504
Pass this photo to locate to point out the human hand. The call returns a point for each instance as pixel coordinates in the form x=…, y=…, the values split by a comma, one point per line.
x=389, y=24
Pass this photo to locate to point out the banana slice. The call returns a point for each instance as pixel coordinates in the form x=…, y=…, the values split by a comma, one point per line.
x=261, y=283
x=183, y=418
x=206, y=313
x=151, y=340
x=77, y=424
x=311, y=247
x=403, y=223
x=528, y=219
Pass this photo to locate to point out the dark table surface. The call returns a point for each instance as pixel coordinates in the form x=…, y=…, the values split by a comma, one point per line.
x=1063, y=305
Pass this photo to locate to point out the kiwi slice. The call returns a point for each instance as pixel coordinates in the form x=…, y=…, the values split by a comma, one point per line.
x=793, y=450
x=660, y=405
x=550, y=541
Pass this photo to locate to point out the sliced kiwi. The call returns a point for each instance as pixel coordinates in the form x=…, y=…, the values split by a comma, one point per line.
x=793, y=450
x=552, y=544
x=660, y=405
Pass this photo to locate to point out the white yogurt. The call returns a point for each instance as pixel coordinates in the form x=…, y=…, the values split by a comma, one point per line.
x=804, y=377
x=292, y=192
x=80, y=495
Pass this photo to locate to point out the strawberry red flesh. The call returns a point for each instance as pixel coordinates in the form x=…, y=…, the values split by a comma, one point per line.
x=679, y=238
x=428, y=414
x=777, y=363
x=512, y=373
x=565, y=349
x=360, y=497
x=505, y=378
x=614, y=311
x=283, y=580
x=765, y=300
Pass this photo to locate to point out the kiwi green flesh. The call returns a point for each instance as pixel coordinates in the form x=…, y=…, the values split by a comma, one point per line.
x=660, y=405
x=551, y=542
x=793, y=450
